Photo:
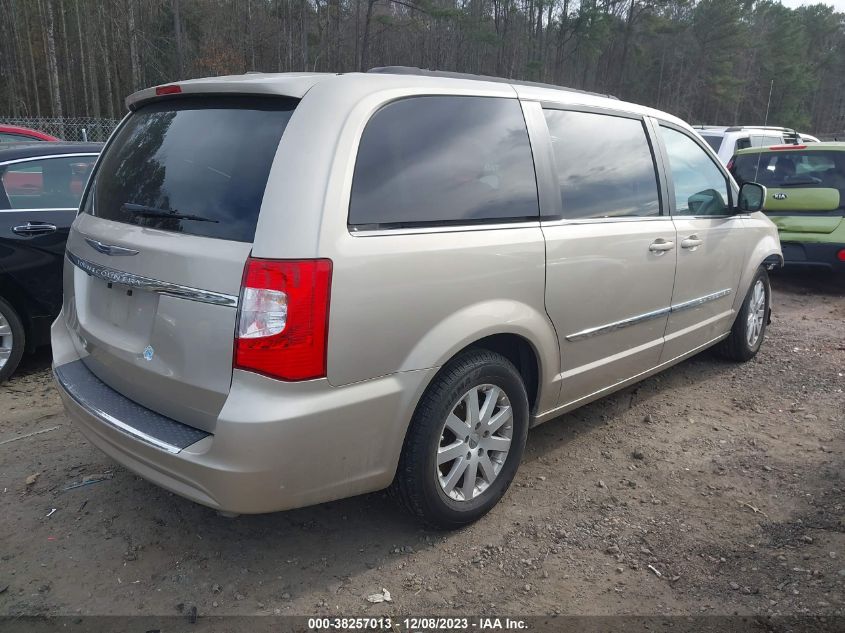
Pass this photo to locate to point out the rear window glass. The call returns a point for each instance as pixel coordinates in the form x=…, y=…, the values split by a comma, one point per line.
x=814, y=169
x=444, y=160
x=713, y=141
x=760, y=140
x=196, y=165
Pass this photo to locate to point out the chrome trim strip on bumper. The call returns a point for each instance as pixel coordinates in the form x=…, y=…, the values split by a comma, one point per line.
x=647, y=316
x=152, y=285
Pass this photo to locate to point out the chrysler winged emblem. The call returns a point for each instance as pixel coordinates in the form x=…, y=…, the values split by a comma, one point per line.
x=109, y=249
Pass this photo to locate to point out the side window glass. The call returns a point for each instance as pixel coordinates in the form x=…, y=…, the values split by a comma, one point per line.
x=444, y=160
x=700, y=186
x=50, y=183
x=604, y=165
x=7, y=137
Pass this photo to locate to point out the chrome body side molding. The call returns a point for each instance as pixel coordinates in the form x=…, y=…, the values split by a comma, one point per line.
x=617, y=325
x=694, y=303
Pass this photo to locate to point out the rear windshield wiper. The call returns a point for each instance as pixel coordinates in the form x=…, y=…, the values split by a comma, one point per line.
x=154, y=212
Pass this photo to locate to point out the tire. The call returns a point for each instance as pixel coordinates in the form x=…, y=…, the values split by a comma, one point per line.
x=12, y=340
x=439, y=495
x=742, y=345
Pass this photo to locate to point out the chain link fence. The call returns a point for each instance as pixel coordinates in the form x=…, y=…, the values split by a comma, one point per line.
x=67, y=128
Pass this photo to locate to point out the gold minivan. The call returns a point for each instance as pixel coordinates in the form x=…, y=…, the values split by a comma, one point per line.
x=287, y=289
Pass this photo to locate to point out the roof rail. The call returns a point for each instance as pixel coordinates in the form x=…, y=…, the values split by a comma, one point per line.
x=774, y=128
x=413, y=70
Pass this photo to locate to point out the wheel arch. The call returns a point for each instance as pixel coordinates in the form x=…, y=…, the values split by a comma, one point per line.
x=767, y=253
x=523, y=335
x=519, y=351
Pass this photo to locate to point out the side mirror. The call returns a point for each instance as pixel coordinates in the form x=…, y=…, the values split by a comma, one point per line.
x=751, y=198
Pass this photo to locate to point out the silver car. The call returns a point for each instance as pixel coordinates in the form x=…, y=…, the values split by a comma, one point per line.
x=287, y=289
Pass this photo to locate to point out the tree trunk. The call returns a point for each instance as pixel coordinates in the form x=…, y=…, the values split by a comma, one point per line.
x=177, y=32
x=33, y=74
x=17, y=70
x=134, y=58
x=82, y=64
x=7, y=62
x=52, y=66
x=304, y=33
x=70, y=100
x=626, y=40
x=106, y=61
x=93, y=37
x=250, y=34
x=44, y=45
x=365, y=39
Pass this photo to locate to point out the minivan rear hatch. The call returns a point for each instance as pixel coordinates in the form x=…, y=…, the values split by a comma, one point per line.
x=805, y=187
x=156, y=258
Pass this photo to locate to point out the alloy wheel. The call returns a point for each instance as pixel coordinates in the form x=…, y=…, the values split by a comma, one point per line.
x=7, y=340
x=474, y=442
x=756, y=313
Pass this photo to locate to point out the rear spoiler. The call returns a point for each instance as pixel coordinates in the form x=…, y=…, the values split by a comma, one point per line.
x=271, y=84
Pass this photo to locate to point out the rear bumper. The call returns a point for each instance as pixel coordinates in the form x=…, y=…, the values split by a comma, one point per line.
x=275, y=445
x=815, y=255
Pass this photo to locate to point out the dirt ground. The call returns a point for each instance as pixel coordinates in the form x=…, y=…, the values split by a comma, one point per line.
x=713, y=488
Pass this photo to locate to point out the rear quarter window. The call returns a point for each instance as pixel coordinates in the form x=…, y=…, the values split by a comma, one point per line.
x=194, y=165
x=443, y=160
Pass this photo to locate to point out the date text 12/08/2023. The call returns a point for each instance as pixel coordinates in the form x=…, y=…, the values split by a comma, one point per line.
x=417, y=624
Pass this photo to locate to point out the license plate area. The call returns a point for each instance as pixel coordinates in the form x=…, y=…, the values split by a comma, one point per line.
x=121, y=305
x=120, y=315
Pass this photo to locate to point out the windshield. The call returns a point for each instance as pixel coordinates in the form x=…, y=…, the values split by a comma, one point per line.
x=195, y=165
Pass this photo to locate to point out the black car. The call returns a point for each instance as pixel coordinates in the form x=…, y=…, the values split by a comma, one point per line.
x=40, y=188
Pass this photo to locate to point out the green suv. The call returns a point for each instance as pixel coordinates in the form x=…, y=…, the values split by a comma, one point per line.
x=805, y=199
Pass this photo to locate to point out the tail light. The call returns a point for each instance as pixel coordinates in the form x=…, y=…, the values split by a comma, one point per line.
x=841, y=255
x=283, y=318
x=730, y=165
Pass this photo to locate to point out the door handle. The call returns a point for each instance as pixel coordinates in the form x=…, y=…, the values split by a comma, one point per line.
x=692, y=242
x=660, y=246
x=34, y=228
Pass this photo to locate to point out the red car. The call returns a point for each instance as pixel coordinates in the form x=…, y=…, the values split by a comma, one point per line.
x=15, y=134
